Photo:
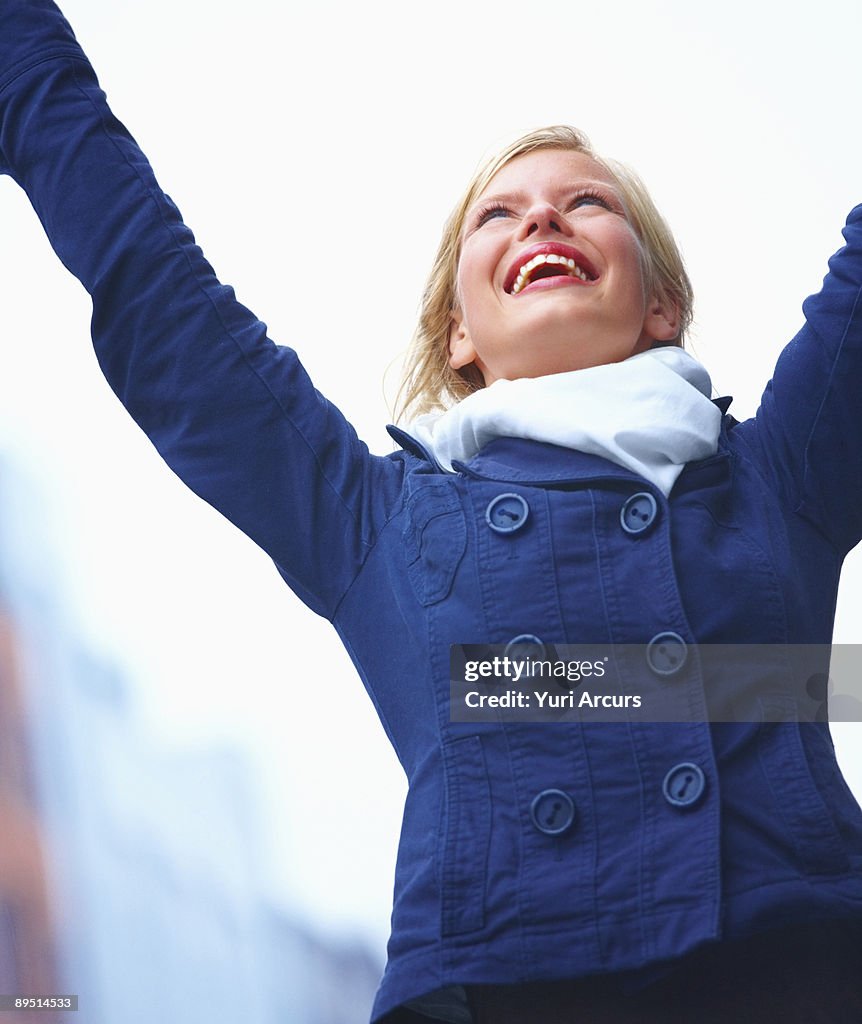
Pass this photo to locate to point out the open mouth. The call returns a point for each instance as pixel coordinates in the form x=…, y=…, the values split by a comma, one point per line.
x=550, y=260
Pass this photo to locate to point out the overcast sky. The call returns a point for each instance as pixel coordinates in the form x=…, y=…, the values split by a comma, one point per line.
x=316, y=150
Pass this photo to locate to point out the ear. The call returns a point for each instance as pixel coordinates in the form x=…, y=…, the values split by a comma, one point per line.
x=661, y=322
x=461, y=350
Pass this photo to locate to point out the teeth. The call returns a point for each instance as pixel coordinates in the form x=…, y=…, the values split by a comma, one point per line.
x=523, y=278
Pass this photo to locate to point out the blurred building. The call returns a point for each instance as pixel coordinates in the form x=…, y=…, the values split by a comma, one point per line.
x=27, y=935
x=131, y=875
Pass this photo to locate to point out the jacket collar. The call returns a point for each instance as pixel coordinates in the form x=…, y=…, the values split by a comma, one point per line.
x=538, y=463
x=410, y=444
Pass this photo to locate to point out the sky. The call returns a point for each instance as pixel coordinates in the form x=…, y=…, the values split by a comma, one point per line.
x=316, y=150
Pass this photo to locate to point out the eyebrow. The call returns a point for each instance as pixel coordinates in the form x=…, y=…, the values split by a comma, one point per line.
x=497, y=196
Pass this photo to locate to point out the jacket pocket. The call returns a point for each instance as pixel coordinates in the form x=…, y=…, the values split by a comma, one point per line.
x=805, y=815
x=846, y=812
x=466, y=837
x=435, y=538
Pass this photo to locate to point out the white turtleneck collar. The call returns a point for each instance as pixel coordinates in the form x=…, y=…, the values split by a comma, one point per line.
x=651, y=413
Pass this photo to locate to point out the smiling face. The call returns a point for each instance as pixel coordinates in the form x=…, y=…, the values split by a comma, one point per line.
x=550, y=276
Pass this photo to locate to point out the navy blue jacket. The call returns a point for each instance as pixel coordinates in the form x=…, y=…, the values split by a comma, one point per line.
x=401, y=559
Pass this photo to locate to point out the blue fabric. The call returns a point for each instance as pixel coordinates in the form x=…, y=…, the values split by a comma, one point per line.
x=399, y=557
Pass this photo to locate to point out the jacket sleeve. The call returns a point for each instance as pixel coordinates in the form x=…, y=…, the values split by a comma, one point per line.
x=234, y=415
x=807, y=433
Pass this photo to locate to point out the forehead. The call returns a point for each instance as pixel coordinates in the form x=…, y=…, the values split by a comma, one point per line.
x=546, y=170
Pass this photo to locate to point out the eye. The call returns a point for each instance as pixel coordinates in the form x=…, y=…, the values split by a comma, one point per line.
x=489, y=212
x=592, y=197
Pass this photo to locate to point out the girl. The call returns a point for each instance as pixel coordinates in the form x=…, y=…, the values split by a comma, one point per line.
x=581, y=486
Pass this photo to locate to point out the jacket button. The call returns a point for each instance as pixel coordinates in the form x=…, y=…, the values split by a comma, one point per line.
x=507, y=513
x=553, y=812
x=666, y=653
x=638, y=513
x=683, y=785
x=523, y=646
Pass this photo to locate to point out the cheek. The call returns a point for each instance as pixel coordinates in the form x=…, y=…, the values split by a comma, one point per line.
x=476, y=266
x=637, y=256
x=467, y=291
x=634, y=267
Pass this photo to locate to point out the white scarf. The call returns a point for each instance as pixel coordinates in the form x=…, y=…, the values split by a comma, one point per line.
x=650, y=413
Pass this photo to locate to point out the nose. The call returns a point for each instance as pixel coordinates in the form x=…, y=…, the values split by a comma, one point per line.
x=543, y=217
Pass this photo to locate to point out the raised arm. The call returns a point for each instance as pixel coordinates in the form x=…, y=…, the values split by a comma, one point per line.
x=234, y=415
x=807, y=433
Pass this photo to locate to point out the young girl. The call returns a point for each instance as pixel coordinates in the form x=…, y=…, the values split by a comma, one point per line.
x=568, y=479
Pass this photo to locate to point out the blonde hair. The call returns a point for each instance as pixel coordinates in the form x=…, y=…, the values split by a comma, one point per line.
x=429, y=381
